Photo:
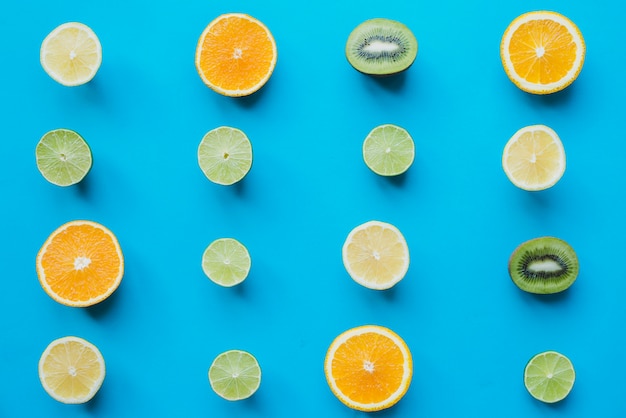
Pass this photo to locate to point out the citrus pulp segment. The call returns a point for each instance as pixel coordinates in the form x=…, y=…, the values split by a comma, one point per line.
x=225, y=155
x=376, y=255
x=549, y=376
x=388, y=150
x=71, y=54
x=80, y=264
x=235, y=375
x=368, y=368
x=71, y=370
x=236, y=55
x=542, y=52
x=226, y=262
x=534, y=158
x=63, y=157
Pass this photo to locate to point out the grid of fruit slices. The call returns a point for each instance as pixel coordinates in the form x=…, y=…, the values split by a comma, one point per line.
x=97, y=65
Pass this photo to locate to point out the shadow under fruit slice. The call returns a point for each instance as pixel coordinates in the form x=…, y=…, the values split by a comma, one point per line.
x=543, y=265
x=80, y=264
x=381, y=47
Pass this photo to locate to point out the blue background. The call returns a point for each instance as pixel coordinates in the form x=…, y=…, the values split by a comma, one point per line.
x=470, y=330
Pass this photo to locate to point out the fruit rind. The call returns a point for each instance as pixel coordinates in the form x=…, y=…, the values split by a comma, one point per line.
x=381, y=24
x=544, y=286
x=97, y=384
x=527, y=375
x=407, y=367
x=536, y=88
x=73, y=303
x=236, y=92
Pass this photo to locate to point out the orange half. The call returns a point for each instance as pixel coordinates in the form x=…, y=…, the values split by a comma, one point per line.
x=236, y=55
x=542, y=52
x=368, y=368
x=80, y=264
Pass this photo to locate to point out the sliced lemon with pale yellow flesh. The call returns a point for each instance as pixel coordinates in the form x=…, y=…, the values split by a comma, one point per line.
x=376, y=255
x=549, y=376
x=71, y=54
x=534, y=158
x=71, y=370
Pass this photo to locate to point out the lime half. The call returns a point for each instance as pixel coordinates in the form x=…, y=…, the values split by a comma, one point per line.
x=225, y=155
x=549, y=376
x=235, y=375
x=388, y=150
x=63, y=157
x=226, y=262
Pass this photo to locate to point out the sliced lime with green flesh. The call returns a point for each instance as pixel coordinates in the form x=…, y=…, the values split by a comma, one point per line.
x=63, y=157
x=235, y=375
x=225, y=155
x=388, y=150
x=549, y=376
x=226, y=262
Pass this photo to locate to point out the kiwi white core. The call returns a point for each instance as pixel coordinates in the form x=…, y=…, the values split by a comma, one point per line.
x=547, y=265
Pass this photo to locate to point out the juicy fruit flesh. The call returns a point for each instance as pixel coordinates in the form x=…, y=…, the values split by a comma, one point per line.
x=534, y=158
x=235, y=375
x=80, y=264
x=368, y=368
x=236, y=55
x=544, y=265
x=542, y=51
x=376, y=255
x=381, y=46
x=71, y=370
x=549, y=377
x=63, y=157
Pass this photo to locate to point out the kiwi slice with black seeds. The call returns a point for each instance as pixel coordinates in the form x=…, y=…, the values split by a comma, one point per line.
x=543, y=265
x=381, y=47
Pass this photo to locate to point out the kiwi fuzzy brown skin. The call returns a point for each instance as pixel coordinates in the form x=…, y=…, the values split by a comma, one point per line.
x=385, y=62
x=550, y=252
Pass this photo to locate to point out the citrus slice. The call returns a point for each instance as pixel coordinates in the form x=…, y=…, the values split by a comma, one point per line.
x=376, y=255
x=71, y=54
x=80, y=264
x=388, y=150
x=225, y=155
x=71, y=370
x=542, y=52
x=226, y=262
x=236, y=55
x=235, y=375
x=368, y=368
x=63, y=157
x=534, y=158
x=549, y=376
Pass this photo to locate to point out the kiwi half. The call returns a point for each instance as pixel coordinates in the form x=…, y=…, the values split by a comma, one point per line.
x=381, y=47
x=543, y=265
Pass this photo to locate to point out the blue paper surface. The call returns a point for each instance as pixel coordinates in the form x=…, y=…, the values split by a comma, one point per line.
x=470, y=330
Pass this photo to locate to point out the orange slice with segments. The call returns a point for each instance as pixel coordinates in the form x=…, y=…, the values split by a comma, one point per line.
x=236, y=55
x=542, y=52
x=368, y=368
x=80, y=264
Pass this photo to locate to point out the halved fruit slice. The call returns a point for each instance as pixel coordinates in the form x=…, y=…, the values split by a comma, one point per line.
x=71, y=370
x=549, y=376
x=235, y=375
x=63, y=157
x=71, y=54
x=226, y=262
x=534, y=158
x=368, y=368
x=542, y=52
x=376, y=255
x=388, y=150
x=225, y=155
